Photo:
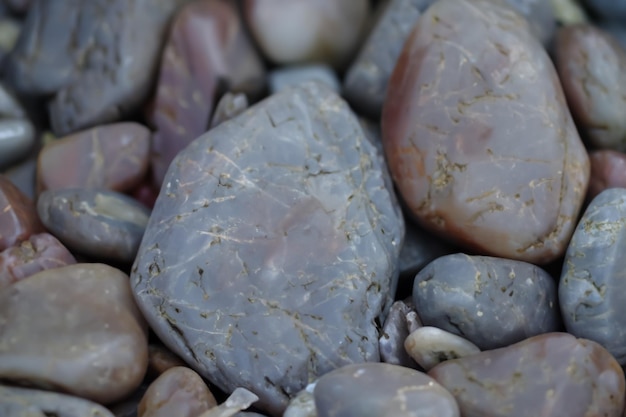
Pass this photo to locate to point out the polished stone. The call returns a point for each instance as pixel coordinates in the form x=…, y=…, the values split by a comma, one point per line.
x=429, y=346
x=478, y=135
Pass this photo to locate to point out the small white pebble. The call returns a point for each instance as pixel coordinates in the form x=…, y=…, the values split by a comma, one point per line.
x=429, y=346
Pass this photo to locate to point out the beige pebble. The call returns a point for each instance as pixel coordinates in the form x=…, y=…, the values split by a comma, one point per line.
x=429, y=346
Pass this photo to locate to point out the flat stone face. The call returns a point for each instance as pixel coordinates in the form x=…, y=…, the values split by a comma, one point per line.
x=99, y=350
x=492, y=302
x=272, y=247
x=381, y=389
x=592, y=289
x=99, y=57
x=592, y=68
x=478, y=135
x=553, y=374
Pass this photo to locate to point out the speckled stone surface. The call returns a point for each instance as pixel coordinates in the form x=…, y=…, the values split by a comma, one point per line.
x=272, y=247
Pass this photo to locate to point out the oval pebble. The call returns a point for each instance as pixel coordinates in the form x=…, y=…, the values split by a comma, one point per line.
x=492, y=302
x=552, y=374
x=74, y=329
x=592, y=285
x=381, y=389
x=99, y=223
x=179, y=392
x=429, y=346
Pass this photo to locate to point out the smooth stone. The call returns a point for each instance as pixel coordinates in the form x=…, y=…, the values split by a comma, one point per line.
x=476, y=97
x=290, y=76
x=608, y=170
x=229, y=243
x=607, y=9
x=17, y=137
x=23, y=176
x=18, y=215
x=113, y=156
x=95, y=222
x=161, y=359
x=568, y=12
x=540, y=16
x=239, y=400
x=365, y=83
x=40, y=252
x=229, y=106
x=381, y=389
x=592, y=288
x=98, y=58
x=302, y=404
x=207, y=50
x=179, y=392
x=302, y=31
x=553, y=374
x=26, y=402
x=394, y=332
x=492, y=302
x=592, y=69
x=429, y=346
x=74, y=329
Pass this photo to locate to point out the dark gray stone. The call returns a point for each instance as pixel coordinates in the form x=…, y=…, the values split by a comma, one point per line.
x=592, y=290
x=98, y=56
x=99, y=223
x=394, y=333
x=608, y=9
x=492, y=302
x=272, y=247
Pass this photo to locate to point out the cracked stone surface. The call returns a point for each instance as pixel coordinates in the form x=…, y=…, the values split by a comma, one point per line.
x=553, y=374
x=272, y=247
x=492, y=302
x=97, y=57
x=478, y=136
x=592, y=289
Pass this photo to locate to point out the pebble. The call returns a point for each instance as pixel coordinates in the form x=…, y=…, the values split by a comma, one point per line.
x=229, y=241
x=17, y=137
x=207, y=49
x=25, y=402
x=96, y=58
x=161, y=359
x=592, y=285
x=98, y=351
x=302, y=404
x=289, y=76
x=18, y=215
x=568, y=12
x=102, y=224
x=381, y=389
x=302, y=31
x=492, y=302
x=429, y=346
x=552, y=374
x=239, y=400
x=113, y=156
x=179, y=392
x=475, y=98
x=608, y=170
x=40, y=252
x=592, y=69
x=229, y=106
x=394, y=332
x=540, y=16
x=365, y=83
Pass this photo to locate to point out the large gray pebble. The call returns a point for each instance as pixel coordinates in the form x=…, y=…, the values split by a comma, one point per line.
x=592, y=290
x=492, y=302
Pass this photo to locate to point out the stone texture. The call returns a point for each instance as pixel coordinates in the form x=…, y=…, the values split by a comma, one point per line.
x=75, y=329
x=478, y=136
x=24, y=402
x=23, y=176
x=552, y=375
x=239, y=400
x=301, y=31
x=113, y=156
x=491, y=302
x=592, y=289
x=285, y=77
x=207, y=50
x=179, y=392
x=40, y=252
x=592, y=69
x=161, y=359
x=394, y=332
x=540, y=16
x=365, y=83
x=381, y=389
x=568, y=12
x=17, y=137
x=229, y=106
x=429, y=346
x=608, y=170
x=99, y=223
x=18, y=216
x=97, y=57
x=302, y=404
x=276, y=231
